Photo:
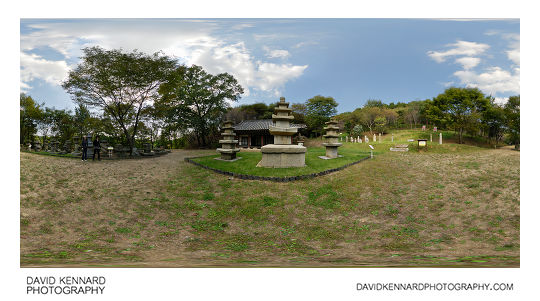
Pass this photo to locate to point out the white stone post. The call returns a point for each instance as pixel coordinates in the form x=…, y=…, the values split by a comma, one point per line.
x=430, y=137
x=380, y=139
x=440, y=138
x=374, y=137
x=392, y=137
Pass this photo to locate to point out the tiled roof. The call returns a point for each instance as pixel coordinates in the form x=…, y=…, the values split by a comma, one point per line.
x=261, y=124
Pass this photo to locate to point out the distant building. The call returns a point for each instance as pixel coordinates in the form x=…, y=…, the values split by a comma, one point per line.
x=255, y=133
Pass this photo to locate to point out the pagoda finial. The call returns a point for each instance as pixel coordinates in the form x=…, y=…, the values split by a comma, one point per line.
x=282, y=99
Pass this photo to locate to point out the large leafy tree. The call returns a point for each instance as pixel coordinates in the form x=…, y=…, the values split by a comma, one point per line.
x=511, y=109
x=461, y=108
x=197, y=100
x=30, y=115
x=319, y=110
x=121, y=84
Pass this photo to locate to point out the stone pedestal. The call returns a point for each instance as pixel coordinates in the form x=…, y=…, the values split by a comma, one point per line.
x=228, y=148
x=282, y=153
x=332, y=143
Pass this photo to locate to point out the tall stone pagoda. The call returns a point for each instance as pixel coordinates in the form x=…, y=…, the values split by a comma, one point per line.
x=282, y=153
x=228, y=148
x=332, y=143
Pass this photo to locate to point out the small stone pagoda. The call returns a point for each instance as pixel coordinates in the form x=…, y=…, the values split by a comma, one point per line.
x=332, y=143
x=228, y=148
x=282, y=153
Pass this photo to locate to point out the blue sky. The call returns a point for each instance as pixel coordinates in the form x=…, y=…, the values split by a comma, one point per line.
x=352, y=60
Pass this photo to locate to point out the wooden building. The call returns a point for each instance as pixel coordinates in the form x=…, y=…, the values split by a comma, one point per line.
x=255, y=133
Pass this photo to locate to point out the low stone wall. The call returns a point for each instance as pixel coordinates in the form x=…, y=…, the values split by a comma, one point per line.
x=273, y=179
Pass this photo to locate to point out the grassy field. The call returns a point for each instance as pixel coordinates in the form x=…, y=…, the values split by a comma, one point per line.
x=449, y=205
x=247, y=165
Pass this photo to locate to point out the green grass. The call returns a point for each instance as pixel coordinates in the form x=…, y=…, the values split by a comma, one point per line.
x=248, y=164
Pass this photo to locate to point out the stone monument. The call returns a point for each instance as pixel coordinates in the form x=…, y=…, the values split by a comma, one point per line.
x=228, y=148
x=282, y=153
x=332, y=143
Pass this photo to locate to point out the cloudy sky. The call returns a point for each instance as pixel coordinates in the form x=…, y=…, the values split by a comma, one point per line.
x=352, y=60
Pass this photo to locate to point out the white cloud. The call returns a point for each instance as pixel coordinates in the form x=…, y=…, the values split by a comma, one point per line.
x=501, y=100
x=494, y=80
x=468, y=62
x=237, y=60
x=490, y=80
x=34, y=66
x=459, y=48
x=271, y=76
x=513, y=53
x=191, y=42
x=276, y=53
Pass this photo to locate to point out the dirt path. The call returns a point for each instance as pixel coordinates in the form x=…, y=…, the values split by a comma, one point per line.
x=66, y=202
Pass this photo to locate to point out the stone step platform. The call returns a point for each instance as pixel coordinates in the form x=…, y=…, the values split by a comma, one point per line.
x=400, y=148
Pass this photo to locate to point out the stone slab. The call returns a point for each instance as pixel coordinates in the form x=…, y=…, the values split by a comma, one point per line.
x=283, y=148
x=399, y=149
x=228, y=150
x=235, y=159
x=327, y=158
x=282, y=160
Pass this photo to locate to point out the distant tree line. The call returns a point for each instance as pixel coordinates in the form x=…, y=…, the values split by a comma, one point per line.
x=131, y=98
x=314, y=112
x=467, y=111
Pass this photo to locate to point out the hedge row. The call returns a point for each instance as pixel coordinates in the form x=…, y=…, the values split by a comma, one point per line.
x=104, y=156
x=274, y=179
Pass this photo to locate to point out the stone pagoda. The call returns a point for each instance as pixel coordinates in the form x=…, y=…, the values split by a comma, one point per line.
x=332, y=143
x=228, y=148
x=282, y=153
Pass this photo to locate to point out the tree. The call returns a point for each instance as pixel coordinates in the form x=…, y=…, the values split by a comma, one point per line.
x=374, y=103
x=412, y=113
x=30, y=115
x=82, y=119
x=198, y=100
x=494, y=121
x=319, y=110
x=63, y=126
x=121, y=84
x=461, y=107
x=368, y=115
x=511, y=109
x=357, y=130
x=299, y=111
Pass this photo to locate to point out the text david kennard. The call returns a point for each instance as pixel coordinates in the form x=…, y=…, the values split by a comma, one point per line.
x=65, y=285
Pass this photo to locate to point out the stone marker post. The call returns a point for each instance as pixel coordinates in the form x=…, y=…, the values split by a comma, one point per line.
x=374, y=137
x=392, y=137
x=380, y=137
x=440, y=138
x=366, y=139
x=430, y=137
